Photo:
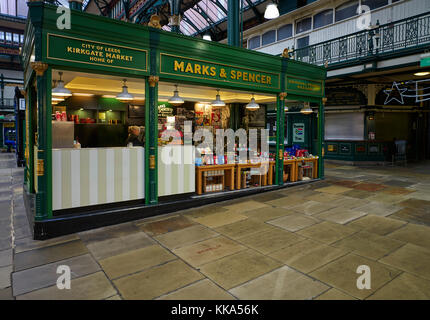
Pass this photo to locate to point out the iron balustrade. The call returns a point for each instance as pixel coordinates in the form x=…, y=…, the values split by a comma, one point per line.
x=403, y=34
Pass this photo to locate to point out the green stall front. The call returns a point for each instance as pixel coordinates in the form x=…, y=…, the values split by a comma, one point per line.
x=123, y=122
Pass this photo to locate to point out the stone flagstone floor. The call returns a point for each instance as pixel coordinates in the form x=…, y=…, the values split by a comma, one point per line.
x=304, y=242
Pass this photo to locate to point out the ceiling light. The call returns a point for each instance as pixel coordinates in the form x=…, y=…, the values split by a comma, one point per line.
x=285, y=108
x=218, y=102
x=307, y=108
x=252, y=105
x=57, y=99
x=81, y=94
x=176, y=99
x=207, y=36
x=124, y=95
x=60, y=90
x=271, y=12
x=422, y=74
x=108, y=96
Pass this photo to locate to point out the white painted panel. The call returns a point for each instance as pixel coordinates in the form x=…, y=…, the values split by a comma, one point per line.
x=110, y=175
x=75, y=177
x=93, y=172
x=125, y=174
x=56, y=180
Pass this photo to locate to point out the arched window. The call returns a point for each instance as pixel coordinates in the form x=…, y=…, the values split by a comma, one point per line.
x=285, y=32
x=374, y=4
x=303, y=25
x=268, y=37
x=323, y=18
x=254, y=42
x=346, y=10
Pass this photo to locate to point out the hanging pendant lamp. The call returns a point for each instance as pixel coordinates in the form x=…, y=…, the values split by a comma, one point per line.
x=271, y=12
x=218, y=102
x=60, y=90
x=176, y=99
x=124, y=95
x=307, y=108
x=253, y=105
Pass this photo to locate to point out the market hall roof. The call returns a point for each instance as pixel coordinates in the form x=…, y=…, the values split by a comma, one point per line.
x=198, y=16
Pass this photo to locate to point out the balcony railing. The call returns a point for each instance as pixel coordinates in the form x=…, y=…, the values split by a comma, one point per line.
x=403, y=34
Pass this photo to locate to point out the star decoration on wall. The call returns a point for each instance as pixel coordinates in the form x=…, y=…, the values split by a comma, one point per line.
x=394, y=93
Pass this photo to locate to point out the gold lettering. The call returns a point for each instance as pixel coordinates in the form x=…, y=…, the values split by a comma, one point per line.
x=189, y=68
x=263, y=78
x=245, y=76
x=269, y=80
x=213, y=71
x=179, y=66
x=252, y=77
x=233, y=74
x=257, y=78
x=197, y=69
x=205, y=70
x=239, y=75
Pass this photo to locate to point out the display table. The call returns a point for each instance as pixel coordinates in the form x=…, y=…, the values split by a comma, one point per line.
x=293, y=169
x=242, y=166
x=312, y=161
x=228, y=179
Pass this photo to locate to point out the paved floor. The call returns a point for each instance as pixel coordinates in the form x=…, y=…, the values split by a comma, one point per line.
x=304, y=242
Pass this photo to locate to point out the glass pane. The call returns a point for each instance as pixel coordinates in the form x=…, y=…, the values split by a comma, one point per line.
x=16, y=38
x=302, y=42
x=346, y=10
x=323, y=18
x=373, y=4
x=285, y=32
x=8, y=37
x=304, y=25
x=254, y=42
x=269, y=37
x=1, y=36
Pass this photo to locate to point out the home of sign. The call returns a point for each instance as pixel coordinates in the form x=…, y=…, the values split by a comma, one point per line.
x=199, y=69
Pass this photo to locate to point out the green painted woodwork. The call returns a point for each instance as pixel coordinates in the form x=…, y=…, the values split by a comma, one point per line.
x=215, y=73
x=320, y=138
x=425, y=62
x=154, y=52
x=356, y=150
x=280, y=130
x=94, y=54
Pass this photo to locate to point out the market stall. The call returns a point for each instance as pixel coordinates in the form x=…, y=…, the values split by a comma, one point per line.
x=139, y=121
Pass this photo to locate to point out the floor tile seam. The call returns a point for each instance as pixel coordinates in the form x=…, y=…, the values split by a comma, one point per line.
x=51, y=285
x=384, y=285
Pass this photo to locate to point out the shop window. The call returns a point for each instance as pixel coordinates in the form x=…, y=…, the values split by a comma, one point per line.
x=303, y=25
x=346, y=11
x=254, y=42
x=268, y=37
x=285, y=32
x=374, y=4
x=323, y=18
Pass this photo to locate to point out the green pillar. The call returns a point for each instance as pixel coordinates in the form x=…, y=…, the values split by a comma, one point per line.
x=151, y=140
x=233, y=31
x=175, y=15
x=44, y=142
x=75, y=5
x=321, y=139
x=280, y=137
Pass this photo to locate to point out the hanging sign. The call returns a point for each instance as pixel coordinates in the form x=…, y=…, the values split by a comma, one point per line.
x=200, y=69
x=304, y=86
x=298, y=132
x=94, y=53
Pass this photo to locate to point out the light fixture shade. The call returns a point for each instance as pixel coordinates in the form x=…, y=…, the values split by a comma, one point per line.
x=422, y=74
x=218, y=102
x=252, y=105
x=306, y=109
x=124, y=95
x=271, y=12
x=60, y=90
x=207, y=37
x=176, y=99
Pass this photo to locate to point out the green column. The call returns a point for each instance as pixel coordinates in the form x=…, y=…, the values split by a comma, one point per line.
x=233, y=31
x=280, y=137
x=321, y=140
x=44, y=142
x=151, y=140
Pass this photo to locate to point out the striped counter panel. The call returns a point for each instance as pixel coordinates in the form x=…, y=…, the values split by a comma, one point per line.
x=85, y=177
x=176, y=170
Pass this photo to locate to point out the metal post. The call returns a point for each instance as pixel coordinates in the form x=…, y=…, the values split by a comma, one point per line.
x=280, y=137
x=233, y=32
x=321, y=138
x=175, y=15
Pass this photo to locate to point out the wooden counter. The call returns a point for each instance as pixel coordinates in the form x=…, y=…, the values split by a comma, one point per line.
x=241, y=166
x=228, y=170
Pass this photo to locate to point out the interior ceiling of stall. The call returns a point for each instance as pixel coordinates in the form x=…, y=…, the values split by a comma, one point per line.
x=109, y=85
